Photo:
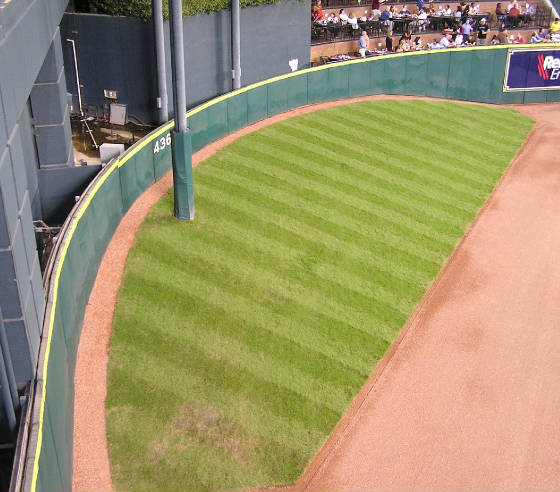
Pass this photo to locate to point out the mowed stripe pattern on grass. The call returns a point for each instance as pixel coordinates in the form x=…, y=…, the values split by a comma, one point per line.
x=241, y=338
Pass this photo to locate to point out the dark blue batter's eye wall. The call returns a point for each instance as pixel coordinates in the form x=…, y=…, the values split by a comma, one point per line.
x=118, y=53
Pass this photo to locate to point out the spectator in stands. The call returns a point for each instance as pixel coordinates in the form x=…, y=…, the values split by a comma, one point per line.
x=481, y=32
x=420, y=5
x=343, y=16
x=447, y=11
x=509, y=7
x=385, y=17
x=364, y=44
x=317, y=13
x=423, y=21
x=467, y=29
x=465, y=9
x=541, y=34
x=353, y=20
x=555, y=30
x=502, y=36
x=404, y=11
x=475, y=8
x=376, y=4
x=407, y=38
x=458, y=14
x=535, y=38
x=389, y=41
x=403, y=46
x=417, y=45
x=500, y=13
x=458, y=38
x=333, y=19
x=527, y=9
x=446, y=40
x=513, y=16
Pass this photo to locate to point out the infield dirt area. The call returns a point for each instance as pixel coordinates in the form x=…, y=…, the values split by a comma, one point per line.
x=467, y=396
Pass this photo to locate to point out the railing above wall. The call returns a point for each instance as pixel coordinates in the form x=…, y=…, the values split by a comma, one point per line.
x=475, y=74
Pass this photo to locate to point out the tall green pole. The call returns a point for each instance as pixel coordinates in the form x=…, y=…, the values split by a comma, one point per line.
x=181, y=146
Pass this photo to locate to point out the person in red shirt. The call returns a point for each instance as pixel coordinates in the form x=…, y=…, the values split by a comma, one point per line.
x=513, y=15
x=317, y=12
x=376, y=4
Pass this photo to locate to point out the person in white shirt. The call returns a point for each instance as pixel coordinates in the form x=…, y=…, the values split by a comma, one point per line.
x=353, y=21
x=423, y=20
x=404, y=11
x=343, y=16
x=445, y=41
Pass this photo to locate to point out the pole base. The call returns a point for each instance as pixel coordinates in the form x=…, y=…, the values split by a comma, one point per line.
x=183, y=188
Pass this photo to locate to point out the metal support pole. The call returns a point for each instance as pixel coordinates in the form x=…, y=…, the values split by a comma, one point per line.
x=77, y=75
x=183, y=187
x=162, y=105
x=178, y=65
x=236, y=44
x=82, y=115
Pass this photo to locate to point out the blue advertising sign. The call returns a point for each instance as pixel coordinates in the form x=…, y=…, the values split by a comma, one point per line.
x=532, y=70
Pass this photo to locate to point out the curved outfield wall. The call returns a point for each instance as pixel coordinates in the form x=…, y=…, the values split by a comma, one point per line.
x=474, y=74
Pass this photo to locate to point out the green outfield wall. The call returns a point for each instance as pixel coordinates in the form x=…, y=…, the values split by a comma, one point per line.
x=473, y=74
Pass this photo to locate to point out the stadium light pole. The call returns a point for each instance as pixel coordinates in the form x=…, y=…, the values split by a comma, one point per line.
x=236, y=44
x=181, y=145
x=159, y=38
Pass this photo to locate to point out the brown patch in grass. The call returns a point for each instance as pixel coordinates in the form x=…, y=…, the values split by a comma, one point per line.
x=193, y=427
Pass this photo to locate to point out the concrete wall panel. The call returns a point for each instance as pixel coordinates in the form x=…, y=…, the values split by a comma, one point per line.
x=9, y=295
x=54, y=142
x=18, y=165
x=19, y=350
x=28, y=231
x=49, y=102
x=53, y=63
x=8, y=190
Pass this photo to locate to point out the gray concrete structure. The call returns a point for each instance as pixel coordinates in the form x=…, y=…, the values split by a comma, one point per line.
x=34, y=134
x=271, y=36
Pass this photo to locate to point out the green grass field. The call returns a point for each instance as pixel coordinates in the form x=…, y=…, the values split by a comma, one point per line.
x=241, y=338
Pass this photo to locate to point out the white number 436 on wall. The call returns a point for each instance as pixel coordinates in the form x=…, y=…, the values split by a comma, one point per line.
x=162, y=142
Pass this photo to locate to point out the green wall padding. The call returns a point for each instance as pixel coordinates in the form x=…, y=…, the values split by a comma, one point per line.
x=469, y=74
x=416, y=75
x=359, y=80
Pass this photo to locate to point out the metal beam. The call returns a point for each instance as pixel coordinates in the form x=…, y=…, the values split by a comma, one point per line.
x=236, y=44
x=162, y=105
x=178, y=65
